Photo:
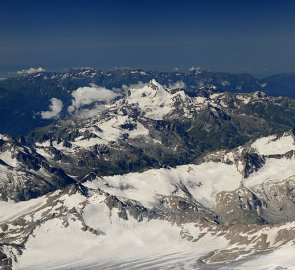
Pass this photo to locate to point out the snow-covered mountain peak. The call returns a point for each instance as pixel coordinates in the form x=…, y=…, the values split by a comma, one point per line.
x=4, y=137
x=154, y=84
x=150, y=89
x=252, y=97
x=155, y=100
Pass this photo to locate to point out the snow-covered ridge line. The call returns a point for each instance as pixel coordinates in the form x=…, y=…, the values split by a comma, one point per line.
x=109, y=230
x=279, y=145
x=223, y=171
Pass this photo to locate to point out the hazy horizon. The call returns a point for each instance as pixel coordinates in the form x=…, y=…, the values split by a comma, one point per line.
x=255, y=37
x=23, y=71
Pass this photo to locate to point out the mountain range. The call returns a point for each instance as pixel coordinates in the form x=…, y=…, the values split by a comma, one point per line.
x=159, y=174
x=23, y=97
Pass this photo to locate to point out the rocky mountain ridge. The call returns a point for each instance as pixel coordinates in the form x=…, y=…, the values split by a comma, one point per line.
x=154, y=126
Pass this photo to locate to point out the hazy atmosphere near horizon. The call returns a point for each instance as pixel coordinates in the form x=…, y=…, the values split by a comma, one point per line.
x=256, y=37
x=147, y=135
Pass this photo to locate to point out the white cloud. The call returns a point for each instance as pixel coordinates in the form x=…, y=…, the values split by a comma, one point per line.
x=177, y=85
x=54, y=109
x=31, y=70
x=137, y=85
x=88, y=95
x=96, y=110
x=197, y=69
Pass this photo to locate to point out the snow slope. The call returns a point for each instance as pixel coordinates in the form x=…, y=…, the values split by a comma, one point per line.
x=98, y=238
x=160, y=218
x=275, y=144
x=202, y=181
x=125, y=245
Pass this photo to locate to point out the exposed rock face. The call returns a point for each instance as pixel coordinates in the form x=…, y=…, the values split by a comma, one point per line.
x=253, y=162
x=240, y=207
x=25, y=174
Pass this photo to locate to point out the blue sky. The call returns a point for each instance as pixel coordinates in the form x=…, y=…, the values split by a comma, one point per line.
x=242, y=36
